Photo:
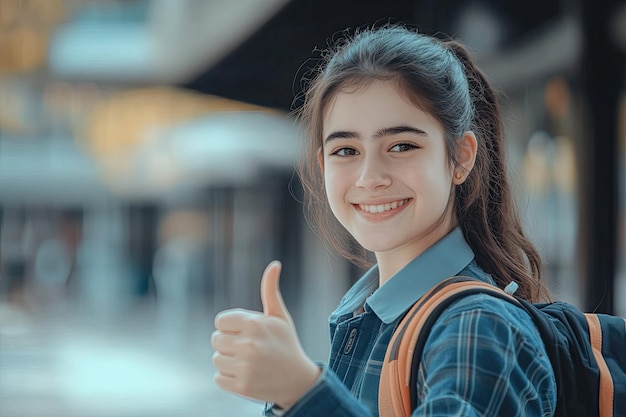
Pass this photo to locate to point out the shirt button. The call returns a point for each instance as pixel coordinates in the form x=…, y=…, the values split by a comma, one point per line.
x=351, y=338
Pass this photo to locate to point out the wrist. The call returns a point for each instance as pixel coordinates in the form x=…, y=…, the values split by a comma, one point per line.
x=309, y=378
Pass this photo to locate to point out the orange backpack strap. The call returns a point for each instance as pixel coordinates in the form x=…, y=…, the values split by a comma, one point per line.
x=394, y=395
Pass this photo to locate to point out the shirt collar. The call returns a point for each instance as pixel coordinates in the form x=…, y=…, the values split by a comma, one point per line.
x=355, y=297
x=444, y=259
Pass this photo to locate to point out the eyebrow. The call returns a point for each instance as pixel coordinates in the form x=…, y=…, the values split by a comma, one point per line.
x=385, y=131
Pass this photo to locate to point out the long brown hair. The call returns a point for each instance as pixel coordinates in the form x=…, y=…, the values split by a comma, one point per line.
x=442, y=79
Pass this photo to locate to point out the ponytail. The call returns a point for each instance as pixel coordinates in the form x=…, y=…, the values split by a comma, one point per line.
x=484, y=204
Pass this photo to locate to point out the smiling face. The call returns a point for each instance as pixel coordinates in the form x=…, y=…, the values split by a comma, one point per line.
x=387, y=174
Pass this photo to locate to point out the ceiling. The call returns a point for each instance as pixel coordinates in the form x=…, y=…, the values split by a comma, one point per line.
x=153, y=41
x=264, y=69
x=254, y=51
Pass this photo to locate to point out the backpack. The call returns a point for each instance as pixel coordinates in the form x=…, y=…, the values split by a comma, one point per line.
x=587, y=352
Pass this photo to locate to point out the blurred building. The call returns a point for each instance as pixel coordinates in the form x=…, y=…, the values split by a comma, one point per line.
x=146, y=171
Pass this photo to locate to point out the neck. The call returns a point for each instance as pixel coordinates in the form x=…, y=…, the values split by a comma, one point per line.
x=389, y=263
x=392, y=261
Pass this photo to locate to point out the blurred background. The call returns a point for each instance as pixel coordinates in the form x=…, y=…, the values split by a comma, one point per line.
x=146, y=178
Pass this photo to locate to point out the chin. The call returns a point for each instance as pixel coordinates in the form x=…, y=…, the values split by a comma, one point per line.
x=378, y=246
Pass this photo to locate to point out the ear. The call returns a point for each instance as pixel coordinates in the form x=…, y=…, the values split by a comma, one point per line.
x=320, y=160
x=466, y=157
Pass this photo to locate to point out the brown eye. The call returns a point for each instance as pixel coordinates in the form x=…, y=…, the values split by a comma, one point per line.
x=402, y=147
x=345, y=152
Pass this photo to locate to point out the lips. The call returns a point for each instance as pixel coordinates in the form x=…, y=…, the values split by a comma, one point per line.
x=381, y=208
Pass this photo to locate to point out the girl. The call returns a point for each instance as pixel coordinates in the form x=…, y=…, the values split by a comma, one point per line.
x=404, y=159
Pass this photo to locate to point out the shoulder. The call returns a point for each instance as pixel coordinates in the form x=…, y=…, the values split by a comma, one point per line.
x=489, y=346
x=488, y=312
x=488, y=333
x=486, y=354
x=488, y=304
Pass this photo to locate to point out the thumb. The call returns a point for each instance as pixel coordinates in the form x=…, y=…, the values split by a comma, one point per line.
x=273, y=304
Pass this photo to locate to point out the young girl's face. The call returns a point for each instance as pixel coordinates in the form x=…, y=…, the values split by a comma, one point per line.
x=386, y=170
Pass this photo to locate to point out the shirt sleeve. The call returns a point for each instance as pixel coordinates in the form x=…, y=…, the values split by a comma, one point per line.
x=484, y=357
x=329, y=397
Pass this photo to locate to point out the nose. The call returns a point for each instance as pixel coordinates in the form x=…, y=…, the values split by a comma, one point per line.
x=373, y=174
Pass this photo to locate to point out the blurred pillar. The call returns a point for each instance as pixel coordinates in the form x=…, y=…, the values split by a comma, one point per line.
x=142, y=241
x=102, y=262
x=602, y=81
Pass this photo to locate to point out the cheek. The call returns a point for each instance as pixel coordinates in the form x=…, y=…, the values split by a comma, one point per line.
x=433, y=180
x=336, y=185
x=441, y=182
x=333, y=183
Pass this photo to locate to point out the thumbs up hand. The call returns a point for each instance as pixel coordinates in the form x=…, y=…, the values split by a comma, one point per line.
x=259, y=355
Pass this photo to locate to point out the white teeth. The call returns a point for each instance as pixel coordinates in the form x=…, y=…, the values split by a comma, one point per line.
x=381, y=208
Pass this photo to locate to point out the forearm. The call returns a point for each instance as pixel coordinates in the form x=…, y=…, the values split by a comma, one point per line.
x=327, y=398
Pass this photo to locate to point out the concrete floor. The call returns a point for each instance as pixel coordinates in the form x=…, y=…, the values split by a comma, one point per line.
x=55, y=368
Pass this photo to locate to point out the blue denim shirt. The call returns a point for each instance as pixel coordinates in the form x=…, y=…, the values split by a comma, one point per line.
x=483, y=357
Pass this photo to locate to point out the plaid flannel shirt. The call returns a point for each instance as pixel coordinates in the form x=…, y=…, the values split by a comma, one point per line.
x=483, y=357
